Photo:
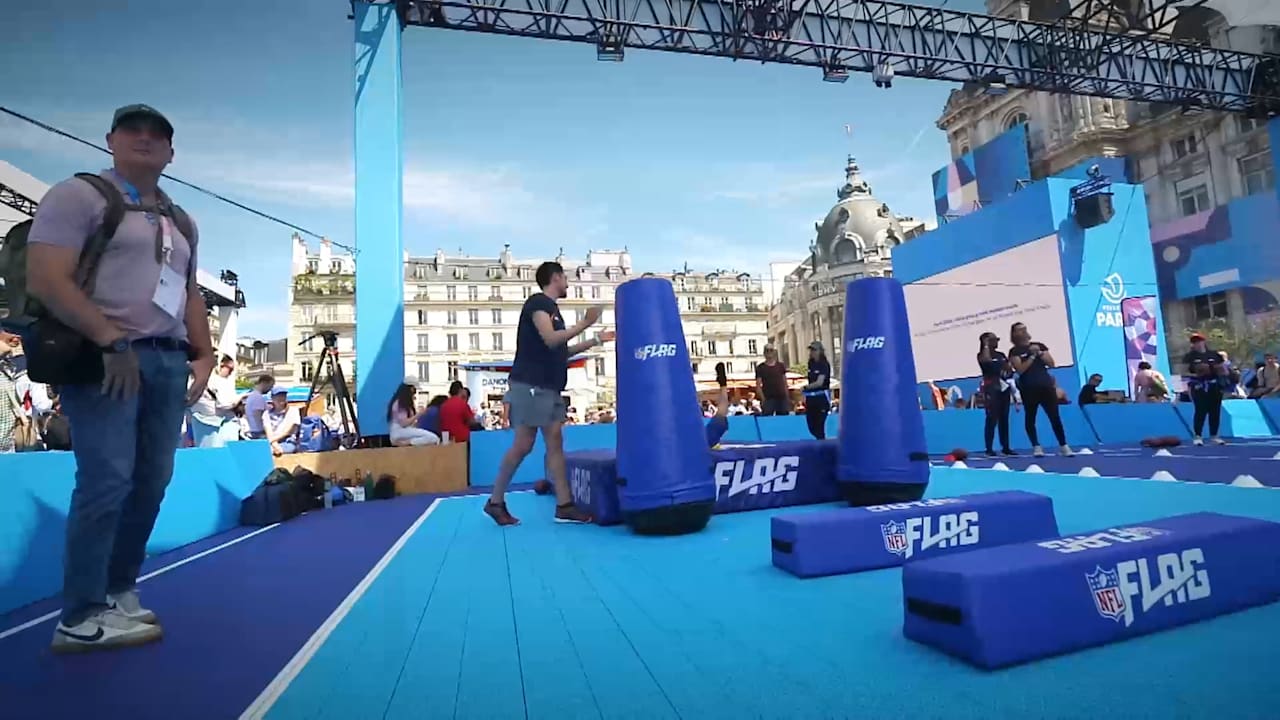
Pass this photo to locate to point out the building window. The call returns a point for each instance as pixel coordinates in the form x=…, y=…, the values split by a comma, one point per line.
x=1210, y=307
x=595, y=292
x=526, y=273
x=473, y=316
x=335, y=267
x=497, y=342
x=419, y=272
x=753, y=366
x=453, y=370
x=451, y=317
x=424, y=372
x=1245, y=124
x=753, y=347
x=728, y=367
x=1016, y=119
x=473, y=341
x=422, y=317
x=731, y=352
x=711, y=347
x=694, y=368
x=1258, y=173
x=496, y=316
x=577, y=292
x=451, y=342
x=1184, y=146
x=1194, y=199
x=450, y=292
x=313, y=266
x=306, y=370
x=599, y=367
x=691, y=304
x=693, y=348
x=424, y=343
x=473, y=293
x=527, y=291
x=495, y=292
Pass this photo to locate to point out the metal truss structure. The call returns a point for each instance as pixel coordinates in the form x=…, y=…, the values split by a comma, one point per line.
x=843, y=36
x=16, y=200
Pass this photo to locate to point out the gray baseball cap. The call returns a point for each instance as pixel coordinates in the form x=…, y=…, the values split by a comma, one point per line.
x=140, y=110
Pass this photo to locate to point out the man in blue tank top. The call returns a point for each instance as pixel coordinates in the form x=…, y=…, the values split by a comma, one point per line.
x=535, y=397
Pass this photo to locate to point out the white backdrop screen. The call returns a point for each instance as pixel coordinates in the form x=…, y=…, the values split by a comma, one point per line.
x=948, y=311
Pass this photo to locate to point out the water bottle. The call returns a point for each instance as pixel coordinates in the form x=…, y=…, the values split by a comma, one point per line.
x=328, y=494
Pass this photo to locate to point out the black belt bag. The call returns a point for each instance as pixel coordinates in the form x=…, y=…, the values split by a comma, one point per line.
x=59, y=355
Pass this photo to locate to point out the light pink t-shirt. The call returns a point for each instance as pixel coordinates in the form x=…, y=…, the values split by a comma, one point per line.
x=398, y=413
x=129, y=274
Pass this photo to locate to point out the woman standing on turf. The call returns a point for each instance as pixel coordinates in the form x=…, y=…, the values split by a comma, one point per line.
x=1031, y=360
x=817, y=393
x=1206, y=377
x=997, y=391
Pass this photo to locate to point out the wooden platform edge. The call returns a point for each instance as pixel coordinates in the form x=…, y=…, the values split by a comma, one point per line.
x=418, y=470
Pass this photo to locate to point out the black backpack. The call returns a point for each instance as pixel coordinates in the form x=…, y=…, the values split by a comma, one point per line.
x=56, y=352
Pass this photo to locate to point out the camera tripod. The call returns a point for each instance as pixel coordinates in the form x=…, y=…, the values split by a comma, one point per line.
x=335, y=377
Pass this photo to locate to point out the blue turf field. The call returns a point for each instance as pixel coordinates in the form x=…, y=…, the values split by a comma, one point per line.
x=551, y=621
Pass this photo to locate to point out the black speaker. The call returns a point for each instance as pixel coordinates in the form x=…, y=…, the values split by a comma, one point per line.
x=1094, y=210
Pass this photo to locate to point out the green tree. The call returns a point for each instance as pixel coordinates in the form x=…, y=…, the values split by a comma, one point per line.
x=1246, y=345
x=244, y=383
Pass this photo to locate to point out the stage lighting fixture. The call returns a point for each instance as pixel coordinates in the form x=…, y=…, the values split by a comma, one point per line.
x=882, y=75
x=610, y=50
x=835, y=74
x=995, y=83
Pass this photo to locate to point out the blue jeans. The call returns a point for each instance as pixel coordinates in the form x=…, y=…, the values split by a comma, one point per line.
x=124, y=458
x=204, y=435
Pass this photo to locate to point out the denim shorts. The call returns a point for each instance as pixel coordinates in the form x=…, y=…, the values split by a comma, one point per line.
x=534, y=406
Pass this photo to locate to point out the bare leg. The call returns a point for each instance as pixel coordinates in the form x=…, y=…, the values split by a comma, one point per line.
x=520, y=447
x=722, y=403
x=553, y=439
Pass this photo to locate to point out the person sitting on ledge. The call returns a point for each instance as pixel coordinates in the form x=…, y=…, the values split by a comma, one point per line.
x=429, y=419
x=280, y=422
x=402, y=418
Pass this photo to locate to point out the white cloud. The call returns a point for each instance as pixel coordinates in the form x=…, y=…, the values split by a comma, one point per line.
x=261, y=169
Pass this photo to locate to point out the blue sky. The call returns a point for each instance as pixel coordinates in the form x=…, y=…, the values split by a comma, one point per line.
x=536, y=144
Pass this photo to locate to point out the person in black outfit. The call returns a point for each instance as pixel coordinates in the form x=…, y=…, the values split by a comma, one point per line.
x=996, y=391
x=1206, y=374
x=1032, y=361
x=817, y=394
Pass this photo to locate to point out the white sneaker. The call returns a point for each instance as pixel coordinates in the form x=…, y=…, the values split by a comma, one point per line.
x=1066, y=451
x=1197, y=441
x=106, y=630
x=1037, y=451
x=1217, y=440
x=128, y=605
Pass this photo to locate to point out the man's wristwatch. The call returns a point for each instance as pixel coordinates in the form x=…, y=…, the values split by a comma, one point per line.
x=117, y=346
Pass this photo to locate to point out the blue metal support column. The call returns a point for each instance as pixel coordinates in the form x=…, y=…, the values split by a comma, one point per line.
x=379, y=164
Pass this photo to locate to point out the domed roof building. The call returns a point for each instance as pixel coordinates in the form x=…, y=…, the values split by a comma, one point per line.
x=856, y=239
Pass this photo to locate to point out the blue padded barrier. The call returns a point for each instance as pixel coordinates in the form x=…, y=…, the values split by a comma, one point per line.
x=742, y=429
x=946, y=430
x=783, y=428
x=485, y=451
x=849, y=540
x=1001, y=606
x=1271, y=411
x=1131, y=422
x=202, y=500
x=1240, y=419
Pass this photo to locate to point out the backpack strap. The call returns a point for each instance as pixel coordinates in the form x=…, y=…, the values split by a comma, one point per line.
x=96, y=244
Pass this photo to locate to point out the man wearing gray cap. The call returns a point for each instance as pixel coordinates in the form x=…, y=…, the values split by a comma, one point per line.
x=145, y=334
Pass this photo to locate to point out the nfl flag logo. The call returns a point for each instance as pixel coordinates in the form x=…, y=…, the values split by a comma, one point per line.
x=1105, y=586
x=895, y=537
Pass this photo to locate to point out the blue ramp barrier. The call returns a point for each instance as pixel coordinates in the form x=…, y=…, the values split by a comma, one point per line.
x=848, y=540
x=1132, y=422
x=1005, y=605
x=1240, y=419
x=203, y=499
x=948, y=429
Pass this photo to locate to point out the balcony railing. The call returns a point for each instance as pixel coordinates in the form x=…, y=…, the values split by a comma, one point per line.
x=730, y=308
x=324, y=286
